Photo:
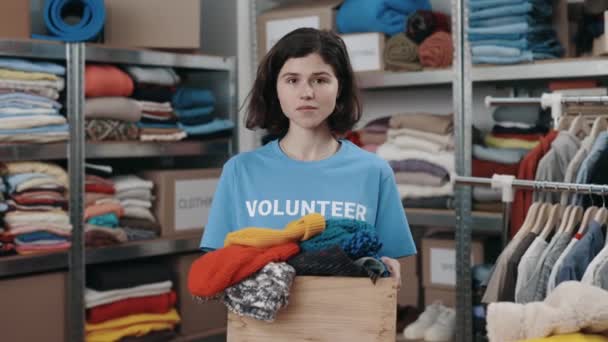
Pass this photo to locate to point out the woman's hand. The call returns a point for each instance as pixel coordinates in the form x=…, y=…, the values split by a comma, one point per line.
x=394, y=267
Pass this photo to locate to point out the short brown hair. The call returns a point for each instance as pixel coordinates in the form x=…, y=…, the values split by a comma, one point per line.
x=264, y=109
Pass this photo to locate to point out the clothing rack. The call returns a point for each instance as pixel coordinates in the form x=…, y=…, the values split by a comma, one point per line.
x=508, y=184
x=547, y=100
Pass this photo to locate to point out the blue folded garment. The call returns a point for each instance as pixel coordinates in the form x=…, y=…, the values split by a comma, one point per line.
x=533, y=34
x=25, y=115
x=36, y=130
x=109, y=220
x=388, y=16
x=476, y=5
x=14, y=180
x=518, y=28
x=3, y=207
x=526, y=56
x=25, y=65
x=217, y=125
x=195, y=116
x=186, y=97
x=540, y=10
x=17, y=96
x=494, y=50
x=39, y=235
x=515, y=19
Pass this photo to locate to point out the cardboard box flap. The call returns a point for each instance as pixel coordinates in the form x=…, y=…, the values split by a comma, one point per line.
x=300, y=8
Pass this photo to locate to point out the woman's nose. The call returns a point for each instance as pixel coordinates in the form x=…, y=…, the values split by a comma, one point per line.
x=306, y=92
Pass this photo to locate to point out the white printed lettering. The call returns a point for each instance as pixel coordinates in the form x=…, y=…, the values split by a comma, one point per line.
x=336, y=209
x=307, y=208
x=265, y=212
x=251, y=207
x=323, y=204
x=292, y=211
x=360, y=212
x=276, y=210
x=349, y=210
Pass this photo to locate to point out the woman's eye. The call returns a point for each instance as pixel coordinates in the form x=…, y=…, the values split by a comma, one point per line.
x=321, y=80
x=291, y=80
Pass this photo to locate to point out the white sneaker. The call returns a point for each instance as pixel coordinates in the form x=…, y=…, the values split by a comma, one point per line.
x=416, y=330
x=444, y=327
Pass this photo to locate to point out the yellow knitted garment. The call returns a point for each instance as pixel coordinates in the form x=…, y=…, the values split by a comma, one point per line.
x=297, y=230
x=116, y=334
x=171, y=318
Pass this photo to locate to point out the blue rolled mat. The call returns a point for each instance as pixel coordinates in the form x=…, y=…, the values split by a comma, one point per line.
x=92, y=20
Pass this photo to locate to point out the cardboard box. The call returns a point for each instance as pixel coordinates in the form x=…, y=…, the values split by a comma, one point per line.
x=439, y=261
x=153, y=23
x=600, y=44
x=409, y=265
x=15, y=19
x=34, y=301
x=183, y=198
x=327, y=309
x=197, y=318
x=366, y=50
x=274, y=24
x=434, y=294
x=410, y=290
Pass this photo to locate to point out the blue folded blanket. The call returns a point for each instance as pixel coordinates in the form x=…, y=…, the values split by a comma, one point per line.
x=476, y=5
x=40, y=235
x=388, y=16
x=515, y=19
x=195, y=116
x=217, y=125
x=143, y=125
x=186, y=97
x=526, y=56
x=109, y=220
x=535, y=34
x=539, y=10
x=36, y=130
x=25, y=65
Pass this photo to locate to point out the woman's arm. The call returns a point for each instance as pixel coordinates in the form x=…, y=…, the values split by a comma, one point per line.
x=394, y=267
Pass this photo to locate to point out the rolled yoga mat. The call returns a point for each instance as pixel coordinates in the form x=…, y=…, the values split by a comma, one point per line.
x=92, y=16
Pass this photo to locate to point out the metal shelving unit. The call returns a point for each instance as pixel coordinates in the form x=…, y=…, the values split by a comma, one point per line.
x=387, y=79
x=216, y=73
x=482, y=222
x=107, y=150
x=23, y=265
x=562, y=68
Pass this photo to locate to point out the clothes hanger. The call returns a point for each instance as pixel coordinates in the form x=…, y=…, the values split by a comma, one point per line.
x=579, y=127
x=541, y=217
x=564, y=219
x=555, y=214
x=599, y=124
x=528, y=220
x=574, y=217
x=601, y=216
x=563, y=124
x=588, y=215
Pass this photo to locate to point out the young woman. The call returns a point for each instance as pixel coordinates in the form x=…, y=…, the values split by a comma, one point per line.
x=305, y=92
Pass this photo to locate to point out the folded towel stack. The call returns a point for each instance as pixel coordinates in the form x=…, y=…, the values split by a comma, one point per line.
x=36, y=219
x=195, y=109
x=135, y=196
x=510, y=32
x=29, y=112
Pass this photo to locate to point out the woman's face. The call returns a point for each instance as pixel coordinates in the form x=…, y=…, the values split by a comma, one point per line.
x=307, y=88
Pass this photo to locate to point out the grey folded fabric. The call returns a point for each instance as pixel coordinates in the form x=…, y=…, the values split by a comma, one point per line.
x=499, y=155
x=115, y=108
x=528, y=114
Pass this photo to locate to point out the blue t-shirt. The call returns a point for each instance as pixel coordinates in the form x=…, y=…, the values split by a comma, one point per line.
x=266, y=188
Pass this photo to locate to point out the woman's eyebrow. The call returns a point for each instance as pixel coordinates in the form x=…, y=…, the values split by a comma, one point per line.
x=289, y=74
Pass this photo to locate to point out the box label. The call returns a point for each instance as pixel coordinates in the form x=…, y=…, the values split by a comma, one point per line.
x=276, y=29
x=443, y=266
x=193, y=202
x=364, y=51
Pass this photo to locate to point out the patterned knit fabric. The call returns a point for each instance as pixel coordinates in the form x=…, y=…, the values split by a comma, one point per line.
x=263, y=294
x=111, y=130
x=357, y=238
x=328, y=262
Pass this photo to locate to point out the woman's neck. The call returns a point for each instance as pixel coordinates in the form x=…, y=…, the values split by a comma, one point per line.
x=307, y=145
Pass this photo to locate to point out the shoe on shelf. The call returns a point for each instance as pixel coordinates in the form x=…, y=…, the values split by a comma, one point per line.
x=443, y=328
x=417, y=330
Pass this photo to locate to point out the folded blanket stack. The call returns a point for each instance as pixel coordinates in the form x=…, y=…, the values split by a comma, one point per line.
x=36, y=219
x=195, y=110
x=109, y=114
x=510, y=32
x=516, y=131
x=135, y=197
x=154, y=89
x=420, y=149
x=29, y=111
x=129, y=299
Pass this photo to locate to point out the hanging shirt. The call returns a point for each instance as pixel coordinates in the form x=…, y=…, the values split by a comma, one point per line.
x=552, y=166
x=582, y=253
x=266, y=188
x=583, y=175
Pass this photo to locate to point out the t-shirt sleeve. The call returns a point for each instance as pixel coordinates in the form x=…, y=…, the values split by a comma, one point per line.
x=221, y=219
x=391, y=223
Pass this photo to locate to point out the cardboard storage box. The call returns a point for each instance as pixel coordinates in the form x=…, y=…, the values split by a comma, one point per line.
x=33, y=308
x=197, y=318
x=409, y=265
x=274, y=24
x=366, y=50
x=327, y=309
x=15, y=19
x=434, y=294
x=439, y=261
x=410, y=290
x=153, y=23
x=183, y=198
